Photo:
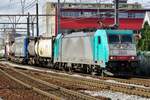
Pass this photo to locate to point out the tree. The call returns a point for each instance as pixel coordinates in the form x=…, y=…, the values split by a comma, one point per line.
x=144, y=43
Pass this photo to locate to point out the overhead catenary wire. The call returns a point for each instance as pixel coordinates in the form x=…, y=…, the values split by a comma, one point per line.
x=30, y=5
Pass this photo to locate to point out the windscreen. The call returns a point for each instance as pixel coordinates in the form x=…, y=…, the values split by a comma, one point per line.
x=126, y=39
x=113, y=38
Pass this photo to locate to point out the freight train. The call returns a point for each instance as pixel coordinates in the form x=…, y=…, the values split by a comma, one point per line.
x=90, y=52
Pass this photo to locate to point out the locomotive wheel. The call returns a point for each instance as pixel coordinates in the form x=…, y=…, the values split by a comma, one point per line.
x=85, y=69
x=92, y=70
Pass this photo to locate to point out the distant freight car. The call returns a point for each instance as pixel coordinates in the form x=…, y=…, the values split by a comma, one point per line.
x=19, y=49
x=44, y=50
x=2, y=48
x=2, y=53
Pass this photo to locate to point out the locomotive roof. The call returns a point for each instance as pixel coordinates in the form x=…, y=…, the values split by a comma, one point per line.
x=98, y=32
x=129, y=32
x=78, y=34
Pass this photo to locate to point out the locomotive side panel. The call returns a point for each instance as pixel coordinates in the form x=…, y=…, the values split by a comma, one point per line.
x=81, y=48
x=76, y=50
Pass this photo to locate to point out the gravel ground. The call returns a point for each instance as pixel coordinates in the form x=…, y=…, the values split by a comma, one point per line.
x=114, y=95
x=109, y=94
x=10, y=90
x=113, y=81
x=75, y=75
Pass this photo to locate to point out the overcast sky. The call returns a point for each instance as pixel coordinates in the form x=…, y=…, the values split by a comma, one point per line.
x=14, y=6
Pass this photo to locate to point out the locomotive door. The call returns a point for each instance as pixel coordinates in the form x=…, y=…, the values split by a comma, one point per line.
x=100, y=51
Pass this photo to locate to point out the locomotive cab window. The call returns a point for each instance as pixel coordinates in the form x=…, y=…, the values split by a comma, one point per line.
x=113, y=38
x=126, y=39
x=99, y=40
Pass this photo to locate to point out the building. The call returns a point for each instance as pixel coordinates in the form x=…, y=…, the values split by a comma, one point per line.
x=75, y=16
x=147, y=18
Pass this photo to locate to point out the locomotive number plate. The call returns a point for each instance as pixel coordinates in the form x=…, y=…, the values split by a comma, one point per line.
x=122, y=52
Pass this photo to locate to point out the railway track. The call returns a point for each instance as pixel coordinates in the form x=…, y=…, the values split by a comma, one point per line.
x=93, y=84
x=137, y=81
x=11, y=90
x=52, y=91
x=98, y=84
x=143, y=81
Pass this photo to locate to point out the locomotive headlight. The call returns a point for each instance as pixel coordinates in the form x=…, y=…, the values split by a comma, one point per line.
x=121, y=47
x=132, y=58
x=111, y=58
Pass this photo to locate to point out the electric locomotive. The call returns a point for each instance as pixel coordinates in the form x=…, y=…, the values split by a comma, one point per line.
x=86, y=51
x=122, y=47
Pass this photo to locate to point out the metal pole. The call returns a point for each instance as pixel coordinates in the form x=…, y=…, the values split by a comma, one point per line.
x=37, y=19
x=116, y=13
x=28, y=25
x=32, y=29
x=58, y=17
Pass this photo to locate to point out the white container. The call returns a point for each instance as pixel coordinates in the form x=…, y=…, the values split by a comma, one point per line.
x=43, y=48
x=20, y=48
x=31, y=49
x=36, y=47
